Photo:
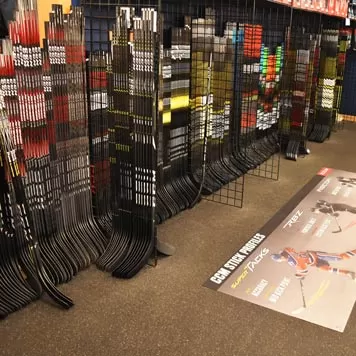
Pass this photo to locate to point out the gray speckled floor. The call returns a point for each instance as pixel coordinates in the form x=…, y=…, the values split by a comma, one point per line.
x=166, y=311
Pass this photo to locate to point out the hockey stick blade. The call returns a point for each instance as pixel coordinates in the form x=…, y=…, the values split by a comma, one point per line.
x=298, y=311
x=165, y=249
x=337, y=232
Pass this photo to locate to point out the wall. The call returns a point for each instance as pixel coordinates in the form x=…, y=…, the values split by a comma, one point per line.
x=44, y=8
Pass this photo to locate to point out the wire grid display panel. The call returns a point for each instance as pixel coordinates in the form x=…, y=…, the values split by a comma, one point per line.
x=261, y=58
x=236, y=69
x=99, y=19
x=299, y=81
x=270, y=169
x=231, y=194
x=213, y=126
x=274, y=22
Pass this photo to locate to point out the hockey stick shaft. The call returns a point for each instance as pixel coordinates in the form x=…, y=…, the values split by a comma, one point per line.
x=337, y=222
x=303, y=292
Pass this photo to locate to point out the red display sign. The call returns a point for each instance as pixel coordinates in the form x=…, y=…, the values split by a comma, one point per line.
x=330, y=7
x=344, y=8
x=318, y=5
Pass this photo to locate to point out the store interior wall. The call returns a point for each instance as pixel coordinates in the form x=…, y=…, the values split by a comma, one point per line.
x=44, y=8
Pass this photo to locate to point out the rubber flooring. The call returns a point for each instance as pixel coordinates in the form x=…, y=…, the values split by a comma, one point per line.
x=166, y=311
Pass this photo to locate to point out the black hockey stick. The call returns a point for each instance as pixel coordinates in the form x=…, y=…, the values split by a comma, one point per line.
x=304, y=307
x=337, y=222
x=205, y=145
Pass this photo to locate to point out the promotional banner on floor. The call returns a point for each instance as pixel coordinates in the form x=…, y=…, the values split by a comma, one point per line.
x=303, y=261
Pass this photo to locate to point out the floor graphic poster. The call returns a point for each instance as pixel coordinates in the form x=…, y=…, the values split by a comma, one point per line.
x=303, y=261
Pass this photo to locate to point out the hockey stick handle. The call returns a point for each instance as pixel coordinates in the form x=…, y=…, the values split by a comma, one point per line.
x=302, y=290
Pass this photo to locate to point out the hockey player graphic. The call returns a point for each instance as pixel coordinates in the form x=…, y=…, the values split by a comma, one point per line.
x=350, y=182
x=324, y=207
x=303, y=261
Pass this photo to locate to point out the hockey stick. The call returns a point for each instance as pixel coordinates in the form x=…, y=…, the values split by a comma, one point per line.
x=337, y=222
x=304, y=307
x=205, y=145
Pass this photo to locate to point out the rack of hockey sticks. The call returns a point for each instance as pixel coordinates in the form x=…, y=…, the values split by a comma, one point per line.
x=133, y=110
x=99, y=19
x=226, y=126
x=298, y=85
x=325, y=98
x=311, y=87
x=70, y=156
x=25, y=150
x=98, y=63
x=46, y=151
x=200, y=145
x=345, y=35
x=344, y=77
x=23, y=274
x=176, y=190
x=192, y=160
